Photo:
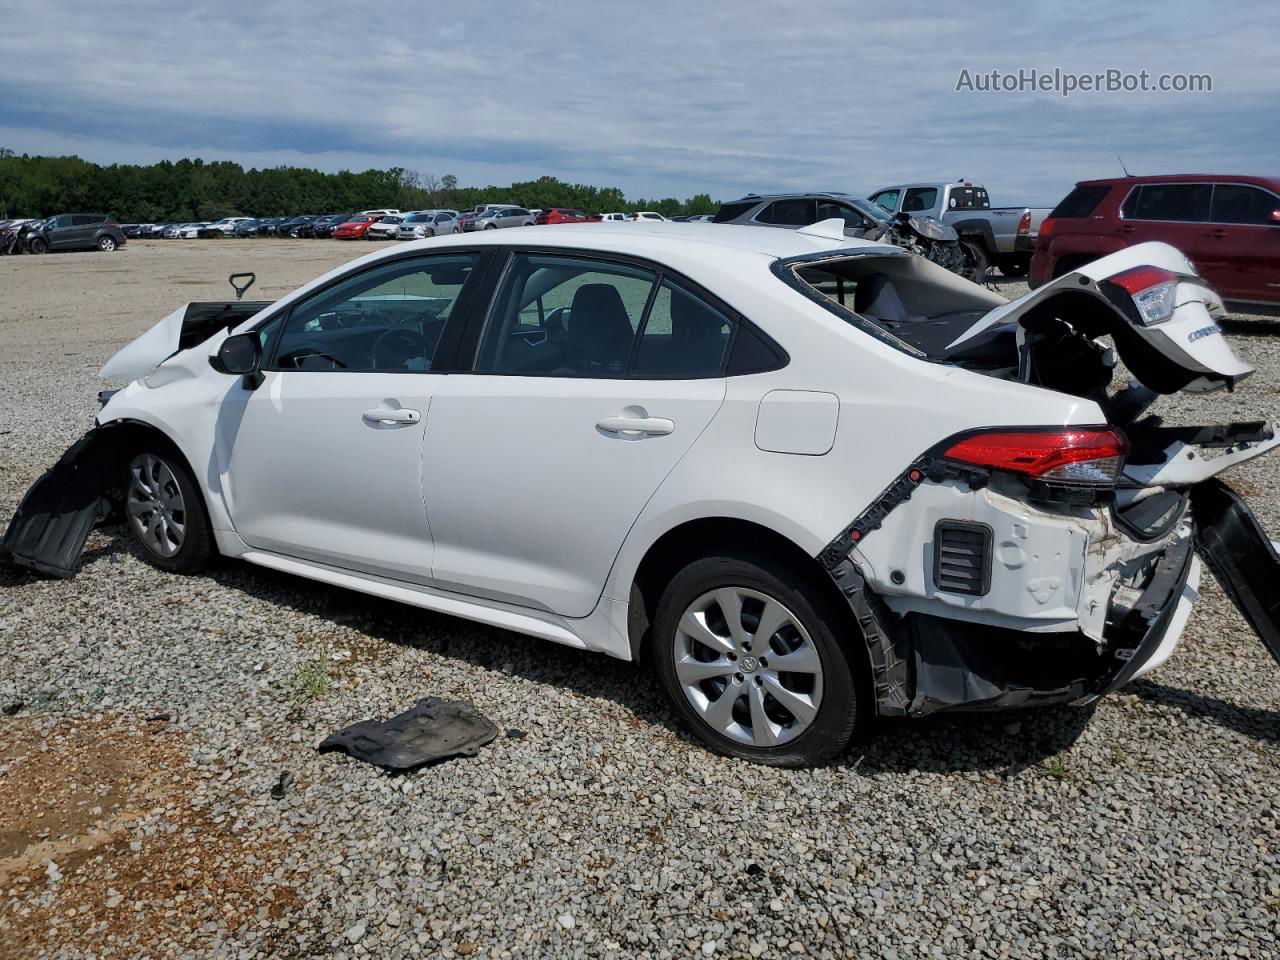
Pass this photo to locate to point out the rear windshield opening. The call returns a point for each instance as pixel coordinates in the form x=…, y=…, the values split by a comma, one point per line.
x=898, y=297
x=1080, y=202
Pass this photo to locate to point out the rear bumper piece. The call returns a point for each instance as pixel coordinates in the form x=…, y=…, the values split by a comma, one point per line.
x=972, y=668
x=1240, y=556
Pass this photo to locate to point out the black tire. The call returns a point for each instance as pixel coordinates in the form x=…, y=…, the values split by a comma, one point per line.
x=430, y=233
x=38, y=245
x=197, y=546
x=843, y=675
x=1014, y=265
x=977, y=263
x=107, y=244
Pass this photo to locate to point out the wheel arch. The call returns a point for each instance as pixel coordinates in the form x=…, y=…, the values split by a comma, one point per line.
x=706, y=536
x=980, y=230
x=134, y=434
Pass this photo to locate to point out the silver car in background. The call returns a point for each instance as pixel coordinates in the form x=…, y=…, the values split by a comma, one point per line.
x=496, y=217
x=429, y=223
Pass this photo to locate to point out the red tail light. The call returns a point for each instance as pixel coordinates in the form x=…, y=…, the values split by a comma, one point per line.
x=1024, y=225
x=1046, y=227
x=1138, y=279
x=1074, y=456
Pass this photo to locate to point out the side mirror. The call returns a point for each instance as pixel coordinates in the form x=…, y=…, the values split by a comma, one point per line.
x=239, y=355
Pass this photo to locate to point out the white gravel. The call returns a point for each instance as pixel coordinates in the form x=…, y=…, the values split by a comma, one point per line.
x=1148, y=826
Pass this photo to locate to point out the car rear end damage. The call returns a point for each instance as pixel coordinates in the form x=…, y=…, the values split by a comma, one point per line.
x=1046, y=565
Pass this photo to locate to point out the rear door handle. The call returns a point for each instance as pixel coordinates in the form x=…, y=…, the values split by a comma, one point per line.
x=1217, y=234
x=392, y=415
x=1128, y=229
x=637, y=427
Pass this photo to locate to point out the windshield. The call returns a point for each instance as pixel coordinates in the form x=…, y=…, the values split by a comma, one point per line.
x=872, y=210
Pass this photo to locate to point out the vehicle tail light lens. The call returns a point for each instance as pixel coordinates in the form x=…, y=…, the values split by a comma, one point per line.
x=1077, y=457
x=1024, y=225
x=1153, y=291
x=1046, y=227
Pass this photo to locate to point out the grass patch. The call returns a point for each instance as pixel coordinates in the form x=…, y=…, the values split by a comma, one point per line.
x=314, y=678
x=1055, y=768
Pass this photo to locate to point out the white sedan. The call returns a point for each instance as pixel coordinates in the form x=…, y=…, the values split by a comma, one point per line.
x=813, y=479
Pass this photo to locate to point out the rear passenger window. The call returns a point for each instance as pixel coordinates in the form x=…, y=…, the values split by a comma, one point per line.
x=1180, y=202
x=1081, y=202
x=565, y=317
x=732, y=211
x=684, y=336
x=789, y=213
x=1236, y=203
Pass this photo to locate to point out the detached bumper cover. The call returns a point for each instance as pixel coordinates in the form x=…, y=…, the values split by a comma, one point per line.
x=1242, y=559
x=49, y=529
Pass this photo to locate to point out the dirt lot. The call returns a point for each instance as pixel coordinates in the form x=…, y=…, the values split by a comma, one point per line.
x=148, y=717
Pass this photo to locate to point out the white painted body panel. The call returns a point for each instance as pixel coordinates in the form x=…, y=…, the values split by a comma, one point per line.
x=507, y=503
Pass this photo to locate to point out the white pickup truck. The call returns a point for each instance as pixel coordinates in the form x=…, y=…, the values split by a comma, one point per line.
x=1004, y=236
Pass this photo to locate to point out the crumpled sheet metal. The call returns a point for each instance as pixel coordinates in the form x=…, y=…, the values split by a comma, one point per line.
x=430, y=730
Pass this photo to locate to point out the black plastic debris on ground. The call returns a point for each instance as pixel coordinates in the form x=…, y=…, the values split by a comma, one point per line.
x=429, y=731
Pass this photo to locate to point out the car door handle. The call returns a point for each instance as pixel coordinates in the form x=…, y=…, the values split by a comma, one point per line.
x=637, y=426
x=388, y=415
x=1128, y=229
x=1217, y=234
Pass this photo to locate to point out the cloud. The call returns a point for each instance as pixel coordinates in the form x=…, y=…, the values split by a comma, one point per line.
x=660, y=98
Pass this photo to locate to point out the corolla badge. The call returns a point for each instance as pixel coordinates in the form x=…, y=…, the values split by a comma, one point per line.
x=1203, y=332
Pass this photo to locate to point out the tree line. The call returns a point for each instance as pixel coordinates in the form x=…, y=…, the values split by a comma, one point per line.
x=195, y=190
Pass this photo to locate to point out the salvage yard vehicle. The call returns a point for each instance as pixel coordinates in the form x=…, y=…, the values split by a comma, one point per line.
x=74, y=231
x=999, y=236
x=354, y=228
x=1228, y=226
x=925, y=236
x=812, y=478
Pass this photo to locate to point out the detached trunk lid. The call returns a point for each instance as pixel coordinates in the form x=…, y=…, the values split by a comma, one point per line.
x=1186, y=351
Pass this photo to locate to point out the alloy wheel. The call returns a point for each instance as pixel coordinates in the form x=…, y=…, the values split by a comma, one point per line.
x=748, y=667
x=107, y=244
x=154, y=504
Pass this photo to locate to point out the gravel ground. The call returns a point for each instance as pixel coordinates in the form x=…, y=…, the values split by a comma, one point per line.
x=136, y=815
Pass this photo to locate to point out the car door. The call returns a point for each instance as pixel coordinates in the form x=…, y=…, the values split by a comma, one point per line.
x=1174, y=213
x=587, y=388
x=323, y=459
x=61, y=232
x=1243, y=241
x=792, y=212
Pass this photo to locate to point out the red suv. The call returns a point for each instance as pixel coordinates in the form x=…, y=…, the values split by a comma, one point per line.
x=1229, y=227
x=565, y=215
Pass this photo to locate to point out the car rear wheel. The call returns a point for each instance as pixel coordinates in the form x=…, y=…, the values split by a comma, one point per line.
x=748, y=654
x=166, y=514
x=38, y=245
x=106, y=244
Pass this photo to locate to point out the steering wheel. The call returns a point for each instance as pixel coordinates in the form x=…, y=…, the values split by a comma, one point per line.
x=395, y=348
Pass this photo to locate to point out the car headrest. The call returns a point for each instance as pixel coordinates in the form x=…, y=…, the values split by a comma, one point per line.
x=598, y=325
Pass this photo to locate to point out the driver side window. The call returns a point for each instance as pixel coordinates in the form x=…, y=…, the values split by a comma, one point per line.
x=386, y=319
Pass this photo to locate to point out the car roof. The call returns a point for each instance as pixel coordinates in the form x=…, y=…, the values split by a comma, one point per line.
x=1271, y=182
x=659, y=240
x=762, y=197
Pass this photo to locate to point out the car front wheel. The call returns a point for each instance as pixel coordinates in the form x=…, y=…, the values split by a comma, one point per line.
x=38, y=246
x=166, y=514
x=106, y=244
x=748, y=653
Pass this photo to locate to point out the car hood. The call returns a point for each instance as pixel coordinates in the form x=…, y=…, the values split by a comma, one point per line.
x=188, y=326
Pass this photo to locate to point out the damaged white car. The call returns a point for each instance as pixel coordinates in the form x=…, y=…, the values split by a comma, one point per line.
x=814, y=479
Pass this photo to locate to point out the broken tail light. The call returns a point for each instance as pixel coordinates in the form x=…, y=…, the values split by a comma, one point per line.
x=1076, y=457
x=1152, y=290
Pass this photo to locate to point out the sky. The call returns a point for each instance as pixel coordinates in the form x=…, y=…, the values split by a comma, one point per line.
x=659, y=98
